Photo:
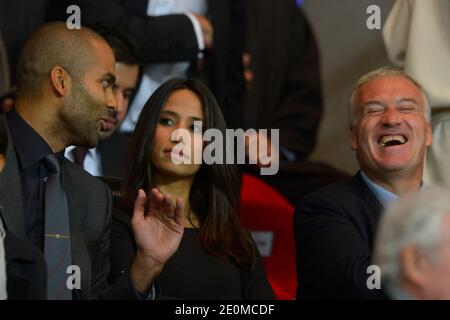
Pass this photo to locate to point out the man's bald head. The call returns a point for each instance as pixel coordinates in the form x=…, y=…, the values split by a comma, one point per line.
x=54, y=45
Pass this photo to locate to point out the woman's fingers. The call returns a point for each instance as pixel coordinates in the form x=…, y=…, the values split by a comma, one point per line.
x=179, y=212
x=139, y=204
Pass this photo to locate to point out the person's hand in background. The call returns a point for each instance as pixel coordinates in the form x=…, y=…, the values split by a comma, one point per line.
x=6, y=104
x=248, y=73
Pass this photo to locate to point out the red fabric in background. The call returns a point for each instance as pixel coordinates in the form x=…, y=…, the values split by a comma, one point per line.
x=262, y=208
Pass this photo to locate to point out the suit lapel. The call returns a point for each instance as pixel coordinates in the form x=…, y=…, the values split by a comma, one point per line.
x=77, y=210
x=11, y=192
x=371, y=203
x=370, y=199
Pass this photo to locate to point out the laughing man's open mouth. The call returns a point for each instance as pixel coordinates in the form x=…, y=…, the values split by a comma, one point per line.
x=392, y=140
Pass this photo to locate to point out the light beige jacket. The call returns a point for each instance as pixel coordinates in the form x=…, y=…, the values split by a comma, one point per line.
x=417, y=38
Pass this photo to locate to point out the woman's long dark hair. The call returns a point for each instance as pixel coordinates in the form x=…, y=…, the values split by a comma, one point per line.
x=214, y=195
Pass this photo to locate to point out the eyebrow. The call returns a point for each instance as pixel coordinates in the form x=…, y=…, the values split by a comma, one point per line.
x=408, y=100
x=174, y=114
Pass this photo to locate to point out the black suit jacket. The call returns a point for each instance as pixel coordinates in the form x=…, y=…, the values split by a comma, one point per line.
x=90, y=210
x=112, y=155
x=26, y=269
x=335, y=229
x=171, y=38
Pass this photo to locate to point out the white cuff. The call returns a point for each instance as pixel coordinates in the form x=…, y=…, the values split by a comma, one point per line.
x=198, y=33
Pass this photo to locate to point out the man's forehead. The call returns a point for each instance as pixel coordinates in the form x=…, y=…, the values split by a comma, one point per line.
x=104, y=56
x=388, y=85
x=394, y=88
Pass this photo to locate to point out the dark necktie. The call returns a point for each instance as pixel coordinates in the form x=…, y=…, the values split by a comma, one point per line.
x=58, y=255
x=79, y=153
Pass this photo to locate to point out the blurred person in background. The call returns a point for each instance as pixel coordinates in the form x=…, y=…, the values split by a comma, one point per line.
x=412, y=247
x=283, y=77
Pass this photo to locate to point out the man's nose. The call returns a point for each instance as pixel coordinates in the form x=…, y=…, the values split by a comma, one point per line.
x=391, y=117
x=111, y=104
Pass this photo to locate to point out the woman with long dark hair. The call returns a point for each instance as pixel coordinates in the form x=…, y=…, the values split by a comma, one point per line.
x=217, y=258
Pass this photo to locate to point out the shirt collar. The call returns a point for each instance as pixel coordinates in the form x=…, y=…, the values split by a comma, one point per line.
x=30, y=146
x=69, y=149
x=384, y=196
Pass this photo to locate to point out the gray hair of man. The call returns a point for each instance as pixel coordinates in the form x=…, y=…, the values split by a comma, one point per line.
x=380, y=73
x=416, y=221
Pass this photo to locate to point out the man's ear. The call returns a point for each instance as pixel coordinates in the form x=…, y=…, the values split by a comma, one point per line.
x=353, y=138
x=413, y=266
x=429, y=138
x=60, y=80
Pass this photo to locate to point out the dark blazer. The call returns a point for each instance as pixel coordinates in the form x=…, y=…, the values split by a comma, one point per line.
x=90, y=209
x=112, y=155
x=171, y=38
x=26, y=270
x=335, y=229
x=286, y=89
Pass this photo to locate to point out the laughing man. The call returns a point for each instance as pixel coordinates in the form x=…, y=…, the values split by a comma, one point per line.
x=335, y=226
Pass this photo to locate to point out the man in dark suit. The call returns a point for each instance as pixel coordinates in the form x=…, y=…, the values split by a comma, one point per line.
x=64, y=97
x=282, y=68
x=335, y=226
x=172, y=38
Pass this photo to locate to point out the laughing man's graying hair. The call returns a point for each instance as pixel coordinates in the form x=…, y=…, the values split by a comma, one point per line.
x=384, y=73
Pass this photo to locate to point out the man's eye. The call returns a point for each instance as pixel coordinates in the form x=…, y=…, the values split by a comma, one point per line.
x=166, y=122
x=127, y=94
x=407, y=108
x=373, y=110
x=105, y=84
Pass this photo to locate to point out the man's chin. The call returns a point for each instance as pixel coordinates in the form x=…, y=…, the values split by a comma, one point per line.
x=394, y=167
x=92, y=142
x=105, y=134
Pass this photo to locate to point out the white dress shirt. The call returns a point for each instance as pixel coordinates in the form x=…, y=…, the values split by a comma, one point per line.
x=92, y=161
x=156, y=74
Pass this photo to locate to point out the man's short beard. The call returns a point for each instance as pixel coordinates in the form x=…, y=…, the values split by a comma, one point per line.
x=77, y=122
